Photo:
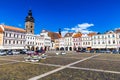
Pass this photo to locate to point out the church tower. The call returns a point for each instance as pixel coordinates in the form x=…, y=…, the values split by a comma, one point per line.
x=29, y=23
x=59, y=31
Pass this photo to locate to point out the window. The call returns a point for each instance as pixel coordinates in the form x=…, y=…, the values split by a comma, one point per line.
x=10, y=34
x=102, y=36
x=113, y=36
x=108, y=42
x=113, y=41
x=94, y=42
x=98, y=37
x=98, y=42
x=13, y=42
x=83, y=43
x=20, y=42
x=31, y=27
x=74, y=44
x=5, y=41
x=103, y=42
x=17, y=42
x=94, y=37
x=9, y=42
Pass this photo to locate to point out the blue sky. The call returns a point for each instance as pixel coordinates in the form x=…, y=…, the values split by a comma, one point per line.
x=69, y=15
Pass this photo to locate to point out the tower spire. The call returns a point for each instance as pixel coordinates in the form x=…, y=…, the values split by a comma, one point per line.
x=30, y=13
x=59, y=31
x=29, y=17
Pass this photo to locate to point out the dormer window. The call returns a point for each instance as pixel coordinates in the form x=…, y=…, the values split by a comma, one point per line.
x=67, y=34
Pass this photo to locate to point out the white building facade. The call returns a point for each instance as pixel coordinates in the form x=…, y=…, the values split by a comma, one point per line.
x=39, y=42
x=118, y=41
x=105, y=41
x=86, y=42
x=30, y=41
x=68, y=41
x=13, y=38
x=61, y=43
x=47, y=40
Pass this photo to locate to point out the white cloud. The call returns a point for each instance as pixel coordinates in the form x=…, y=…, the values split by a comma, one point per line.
x=85, y=25
x=83, y=28
x=67, y=29
x=79, y=27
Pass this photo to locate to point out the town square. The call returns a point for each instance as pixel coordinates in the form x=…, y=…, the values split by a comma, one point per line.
x=60, y=40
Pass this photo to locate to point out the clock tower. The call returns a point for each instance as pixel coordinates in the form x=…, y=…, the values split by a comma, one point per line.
x=29, y=23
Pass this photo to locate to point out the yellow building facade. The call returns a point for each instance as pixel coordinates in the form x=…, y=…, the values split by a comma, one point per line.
x=1, y=38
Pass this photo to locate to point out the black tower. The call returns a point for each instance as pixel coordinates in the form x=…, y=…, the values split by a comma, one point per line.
x=59, y=31
x=29, y=23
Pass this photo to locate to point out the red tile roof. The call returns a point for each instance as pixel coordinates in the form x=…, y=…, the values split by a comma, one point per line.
x=117, y=30
x=91, y=34
x=1, y=30
x=14, y=28
x=54, y=35
x=76, y=35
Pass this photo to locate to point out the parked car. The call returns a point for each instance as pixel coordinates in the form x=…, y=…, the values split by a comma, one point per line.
x=23, y=51
x=116, y=52
x=10, y=52
x=39, y=51
x=15, y=52
x=92, y=51
x=30, y=52
x=107, y=51
x=83, y=50
x=61, y=53
x=80, y=50
x=2, y=53
x=87, y=51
